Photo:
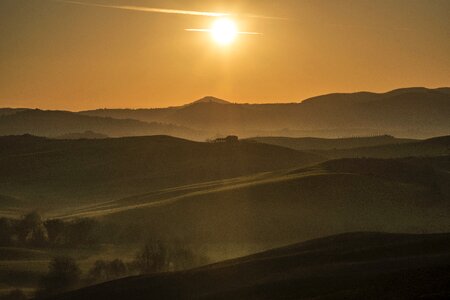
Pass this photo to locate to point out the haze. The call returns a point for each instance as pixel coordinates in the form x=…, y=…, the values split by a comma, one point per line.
x=62, y=56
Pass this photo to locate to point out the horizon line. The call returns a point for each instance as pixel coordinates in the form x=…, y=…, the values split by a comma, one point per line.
x=230, y=102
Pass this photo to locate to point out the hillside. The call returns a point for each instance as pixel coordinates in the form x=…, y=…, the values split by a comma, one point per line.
x=57, y=123
x=70, y=172
x=431, y=147
x=81, y=135
x=311, y=143
x=375, y=147
x=409, y=112
x=259, y=212
x=348, y=266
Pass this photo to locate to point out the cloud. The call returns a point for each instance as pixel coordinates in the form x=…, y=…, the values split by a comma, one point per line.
x=150, y=9
x=210, y=30
x=164, y=10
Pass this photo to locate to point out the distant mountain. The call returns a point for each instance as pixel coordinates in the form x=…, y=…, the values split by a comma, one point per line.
x=210, y=99
x=69, y=172
x=409, y=112
x=56, y=123
x=361, y=265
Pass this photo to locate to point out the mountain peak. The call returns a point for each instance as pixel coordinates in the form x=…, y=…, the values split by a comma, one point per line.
x=210, y=99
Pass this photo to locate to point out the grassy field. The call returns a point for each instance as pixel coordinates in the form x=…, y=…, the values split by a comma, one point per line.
x=43, y=173
x=243, y=204
x=277, y=208
x=348, y=266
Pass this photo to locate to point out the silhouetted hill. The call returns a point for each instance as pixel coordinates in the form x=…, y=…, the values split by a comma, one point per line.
x=409, y=112
x=82, y=135
x=431, y=147
x=10, y=111
x=210, y=99
x=348, y=266
x=311, y=143
x=54, y=171
x=54, y=123
x=272, y=209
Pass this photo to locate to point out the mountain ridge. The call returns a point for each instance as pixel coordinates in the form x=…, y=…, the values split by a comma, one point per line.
x=407, y=112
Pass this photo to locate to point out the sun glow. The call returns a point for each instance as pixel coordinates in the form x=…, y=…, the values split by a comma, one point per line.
x=224, y=31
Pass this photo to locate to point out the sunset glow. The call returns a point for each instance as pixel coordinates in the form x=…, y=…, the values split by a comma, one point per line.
x=224, y=31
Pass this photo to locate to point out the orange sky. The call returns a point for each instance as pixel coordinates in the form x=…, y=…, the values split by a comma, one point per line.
x=64, y=56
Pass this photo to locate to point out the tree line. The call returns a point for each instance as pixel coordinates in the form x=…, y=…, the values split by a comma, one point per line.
x=155, y=256
x=33, y=231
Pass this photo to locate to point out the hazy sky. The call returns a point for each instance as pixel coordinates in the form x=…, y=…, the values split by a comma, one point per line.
x=67, y=56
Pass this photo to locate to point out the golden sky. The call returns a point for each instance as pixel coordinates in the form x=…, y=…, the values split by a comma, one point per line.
x=57, y=55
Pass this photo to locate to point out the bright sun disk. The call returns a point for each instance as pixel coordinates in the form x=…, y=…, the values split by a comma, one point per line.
x=224, y=31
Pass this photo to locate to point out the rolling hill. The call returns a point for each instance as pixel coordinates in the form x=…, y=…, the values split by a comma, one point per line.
x=431, y=147
x=361, y=265
x=57, y=123
x=375, y=147
x=311, y=143
x=268, y=210
x=409, y=112
x=44, y=172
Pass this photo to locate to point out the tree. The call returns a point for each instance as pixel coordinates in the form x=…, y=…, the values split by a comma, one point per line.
x=81, y=232
x=6, y=232
x=56, y=231
x=31, y=230
x=159, y=256
x=107, y=270
x=152, y=258
x=63, y=275
x=116, y=269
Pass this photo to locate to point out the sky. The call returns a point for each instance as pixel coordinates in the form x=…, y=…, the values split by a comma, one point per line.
x=59, y=55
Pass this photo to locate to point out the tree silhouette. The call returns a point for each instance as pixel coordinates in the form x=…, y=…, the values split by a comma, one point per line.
x=31, y=230
x=64, y=274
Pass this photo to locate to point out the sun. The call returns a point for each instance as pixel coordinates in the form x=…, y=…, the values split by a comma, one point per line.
x=224, y=31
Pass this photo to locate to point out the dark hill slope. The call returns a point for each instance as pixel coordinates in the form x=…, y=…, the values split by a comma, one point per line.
x=432, y=147
x=348, y=266
x=311, y=143
x=287, y=206
x=76, y=171
x=56, y=123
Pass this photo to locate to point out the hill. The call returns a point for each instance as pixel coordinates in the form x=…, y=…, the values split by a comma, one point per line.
x=56, y=123
x=347, y=266
x=431, y=147
x=409, y=112
x=210, y=99
x=311, y=143
x=44, y=171
x=82, y=135
x=239, y=216
x=375, y=147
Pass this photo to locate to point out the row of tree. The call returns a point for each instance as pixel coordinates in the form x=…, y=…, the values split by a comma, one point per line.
x=155, y=256
x=32, y=231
